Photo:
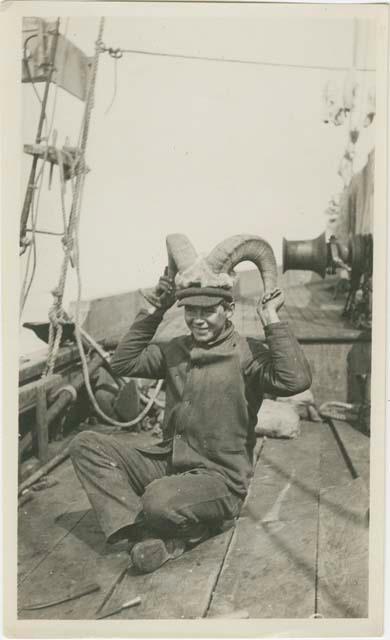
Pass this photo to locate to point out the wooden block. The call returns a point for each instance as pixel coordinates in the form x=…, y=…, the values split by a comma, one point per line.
x=343, y=552
x=270, y=568
x=42, y=424
x=33, y=366
x=32, y=464
x=27, y=393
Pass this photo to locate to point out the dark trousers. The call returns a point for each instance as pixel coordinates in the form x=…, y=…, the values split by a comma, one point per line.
x=131, y=490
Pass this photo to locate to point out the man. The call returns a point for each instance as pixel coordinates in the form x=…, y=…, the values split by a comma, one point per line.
x=167, y=498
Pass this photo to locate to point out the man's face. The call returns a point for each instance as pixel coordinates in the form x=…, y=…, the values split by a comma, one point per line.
x=206, y=323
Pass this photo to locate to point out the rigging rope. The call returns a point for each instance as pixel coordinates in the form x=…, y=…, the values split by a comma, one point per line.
x=118, y=381
x=75, y=221
x=57, y=314
x=149, y=400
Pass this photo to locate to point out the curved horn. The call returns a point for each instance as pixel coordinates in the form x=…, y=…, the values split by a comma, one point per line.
x=228, y=253
x=181, y=253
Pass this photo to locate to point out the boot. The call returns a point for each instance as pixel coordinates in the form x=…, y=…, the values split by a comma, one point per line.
x=150, y=554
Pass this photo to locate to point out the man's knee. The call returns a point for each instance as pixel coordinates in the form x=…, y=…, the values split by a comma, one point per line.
x=167, y=511
x=82, y=443
x=160, y=502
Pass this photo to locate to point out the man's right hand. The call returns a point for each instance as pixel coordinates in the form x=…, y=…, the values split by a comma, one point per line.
x=165, y=291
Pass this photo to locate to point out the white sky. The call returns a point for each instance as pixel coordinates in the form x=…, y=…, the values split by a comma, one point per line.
x=204, y=148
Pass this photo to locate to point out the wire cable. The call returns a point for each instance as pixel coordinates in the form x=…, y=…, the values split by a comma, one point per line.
x=262, y=63
x=25, y=289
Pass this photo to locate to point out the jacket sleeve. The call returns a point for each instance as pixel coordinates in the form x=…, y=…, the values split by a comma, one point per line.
x=135, y=355
x=281, y=366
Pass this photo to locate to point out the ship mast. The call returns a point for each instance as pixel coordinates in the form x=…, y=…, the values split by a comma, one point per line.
x=31, y=181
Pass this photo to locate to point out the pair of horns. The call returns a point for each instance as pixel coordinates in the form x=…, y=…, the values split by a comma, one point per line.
x=225, y=256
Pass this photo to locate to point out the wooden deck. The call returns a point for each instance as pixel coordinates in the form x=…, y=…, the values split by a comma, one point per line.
x=299, y=549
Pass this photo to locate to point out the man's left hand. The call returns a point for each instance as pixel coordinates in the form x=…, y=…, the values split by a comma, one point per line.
x=269, y=305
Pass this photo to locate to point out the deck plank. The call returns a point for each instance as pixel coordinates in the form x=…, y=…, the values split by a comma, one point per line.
x=181, y=589
x=54, y=513
x=81, y=557
x=334, y=470
x=343, y=551
x=270, y=568
x=343, y=524
x=328, y=368
x=41, y=522
x=345, y=455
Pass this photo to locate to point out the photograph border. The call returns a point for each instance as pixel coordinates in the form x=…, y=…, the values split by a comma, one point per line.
x=11, y=14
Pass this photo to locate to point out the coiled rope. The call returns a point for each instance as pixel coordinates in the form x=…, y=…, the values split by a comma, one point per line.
x=148, y=400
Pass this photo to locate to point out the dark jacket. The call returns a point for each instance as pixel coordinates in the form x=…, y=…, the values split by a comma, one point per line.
x=213, y=392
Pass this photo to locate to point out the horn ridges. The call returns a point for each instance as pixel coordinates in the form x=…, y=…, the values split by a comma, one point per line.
x=230, y=252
